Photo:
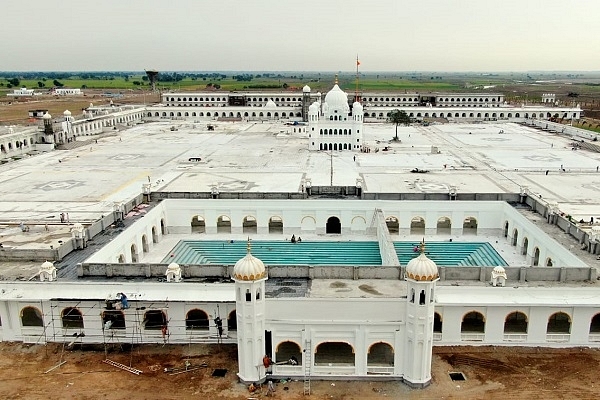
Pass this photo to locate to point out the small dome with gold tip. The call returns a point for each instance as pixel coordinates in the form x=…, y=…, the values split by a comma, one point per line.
x=421, y=268
x=249, y=268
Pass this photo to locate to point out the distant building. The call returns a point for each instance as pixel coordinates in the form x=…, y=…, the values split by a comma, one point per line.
x=66, y=92
x=37, y=113
x=23, y=92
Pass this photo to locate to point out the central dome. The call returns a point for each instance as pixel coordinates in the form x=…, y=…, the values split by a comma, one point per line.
x=336, y=98
x=249, y=268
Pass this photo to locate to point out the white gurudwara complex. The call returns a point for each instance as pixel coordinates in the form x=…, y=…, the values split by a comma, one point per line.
x=261, y=220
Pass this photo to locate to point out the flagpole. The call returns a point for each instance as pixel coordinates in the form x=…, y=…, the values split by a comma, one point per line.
x=356, y=88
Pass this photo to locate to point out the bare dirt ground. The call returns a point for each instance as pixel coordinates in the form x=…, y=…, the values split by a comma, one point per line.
x=491, y=373
x=15, y=111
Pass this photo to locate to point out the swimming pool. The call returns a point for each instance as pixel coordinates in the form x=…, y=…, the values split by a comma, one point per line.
x=452, y=254
x=360, y=253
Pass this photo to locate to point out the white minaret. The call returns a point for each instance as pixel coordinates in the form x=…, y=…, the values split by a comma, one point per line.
x=250, y=275
x=421, y=276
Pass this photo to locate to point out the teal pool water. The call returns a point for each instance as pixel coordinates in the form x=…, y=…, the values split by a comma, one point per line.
x=220, y=252
x=452, y=254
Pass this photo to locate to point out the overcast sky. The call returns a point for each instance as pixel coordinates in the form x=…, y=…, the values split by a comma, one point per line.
x=307, y=35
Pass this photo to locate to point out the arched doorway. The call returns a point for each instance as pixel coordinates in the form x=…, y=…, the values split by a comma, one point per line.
x=380, y=355
x=437, y=323
x=393, y=225
x=506, y=229
x=549, y=262
x=333, y=226
x=536, y=257
x=121, y=259
x=134, y=256
x=515, y=237
x=223, y=224
x=515, y=322
x=154, y=235
x=232, y=321
x=417, y=226
x=275, y=225
x=470, y=226
x=288, y=351
x=444, y=226
x=334, y=354
x=163, y=227
x=249, y=225
x=144, y=244
x=198, y=225
x=525, y=245
x=196, y=320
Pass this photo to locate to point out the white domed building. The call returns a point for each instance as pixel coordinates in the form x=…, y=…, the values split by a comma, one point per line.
x=332, y=125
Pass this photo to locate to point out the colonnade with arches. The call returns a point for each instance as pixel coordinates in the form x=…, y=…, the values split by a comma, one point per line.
x=517, y=325
x=144, y=321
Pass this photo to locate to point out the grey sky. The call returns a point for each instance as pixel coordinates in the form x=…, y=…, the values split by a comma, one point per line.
x=308, y=35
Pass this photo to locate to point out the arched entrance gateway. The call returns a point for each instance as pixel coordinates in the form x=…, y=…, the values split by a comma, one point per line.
x=333, y=225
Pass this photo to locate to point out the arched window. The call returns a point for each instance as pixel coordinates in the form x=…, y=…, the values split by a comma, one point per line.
x=154, y=320
x=334, y=354
x=473, y=322
x=595, y=324
x=113, y=320
x=506, y=229
x=381, y=355
x=71, y=318
x=134, y=256
x=196, y=320
x=31, y=316
x=515, y=237
x=559, y=323
x=289, y=352
x=515, y=322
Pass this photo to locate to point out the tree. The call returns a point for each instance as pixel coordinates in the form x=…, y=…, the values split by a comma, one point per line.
x=41, y=84
x=57, y=83
x=398, y=117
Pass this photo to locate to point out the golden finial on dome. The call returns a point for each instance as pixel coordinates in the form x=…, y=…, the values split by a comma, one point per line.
x=422, y=246
x=248, y=246
x=336, y=79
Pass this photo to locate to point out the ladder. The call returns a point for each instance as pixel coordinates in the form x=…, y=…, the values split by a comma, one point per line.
x=122, y=366
x=307, y=367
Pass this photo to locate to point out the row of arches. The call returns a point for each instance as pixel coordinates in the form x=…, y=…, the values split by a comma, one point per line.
x=333, y=225
x=225, y=114
x=335, y=131
x=72, y=318
x=133, y=249
x=515, y=241
x=517, y=322
x=224, y=99
x=335, y=146
x=18, y=144
x=443, y=225
x=336, y=354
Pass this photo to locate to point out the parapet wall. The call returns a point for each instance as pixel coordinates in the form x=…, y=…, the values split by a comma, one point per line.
x=482, y=274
